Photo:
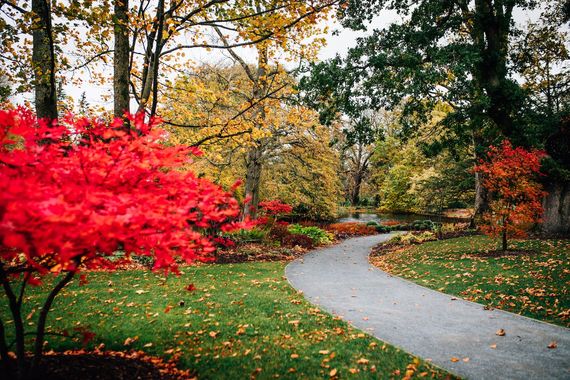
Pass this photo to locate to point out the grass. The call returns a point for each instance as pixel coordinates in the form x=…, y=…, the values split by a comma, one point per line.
x=242, y=320
x=536, y=285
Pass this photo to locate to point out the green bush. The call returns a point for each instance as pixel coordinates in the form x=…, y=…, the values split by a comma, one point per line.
x=382, y=229
x=318, y=235
x=372, y=223
x=411, y=238
x=422, y=225
x=247, y=236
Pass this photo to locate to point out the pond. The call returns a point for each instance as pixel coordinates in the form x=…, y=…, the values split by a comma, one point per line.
x=365, y=217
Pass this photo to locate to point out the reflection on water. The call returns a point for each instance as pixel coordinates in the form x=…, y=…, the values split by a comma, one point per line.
x=364, y=217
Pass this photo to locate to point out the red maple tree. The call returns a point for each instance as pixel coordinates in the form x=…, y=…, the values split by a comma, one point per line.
x=510, y=177
x=73, y=194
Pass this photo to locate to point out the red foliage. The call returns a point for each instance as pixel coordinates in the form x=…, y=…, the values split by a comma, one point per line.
x=300, y=240
x=509, y=175
x=348, y=229
x=79, y=191
x=73, y=194
x=390, y=223
x=280, y=233
x=275, y=207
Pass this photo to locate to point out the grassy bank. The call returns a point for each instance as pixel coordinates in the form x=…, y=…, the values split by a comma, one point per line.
x=536, y=284
x=241, y=320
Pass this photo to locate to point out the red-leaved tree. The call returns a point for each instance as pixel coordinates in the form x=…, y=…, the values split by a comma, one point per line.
x=510, y=176
x=272, y=210
x=73, y=194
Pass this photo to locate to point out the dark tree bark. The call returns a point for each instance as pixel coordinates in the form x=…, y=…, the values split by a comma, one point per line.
x=121, y=76
x=355, y=196
x=491, y=30
x=43, y=61
x=252, y=180
x=254, y=157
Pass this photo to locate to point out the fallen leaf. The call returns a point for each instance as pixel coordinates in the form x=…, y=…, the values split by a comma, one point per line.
x=493, y=346
x=500, y=332
x=552, y=344
x=363, y=361
x=454, y=359
x=333, y=372
x=465, y=360
x=294, y=356
x=324, y=352
x=130, y=341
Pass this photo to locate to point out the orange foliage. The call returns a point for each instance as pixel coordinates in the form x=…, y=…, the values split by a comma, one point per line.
x=390, y=223
x=350, y=229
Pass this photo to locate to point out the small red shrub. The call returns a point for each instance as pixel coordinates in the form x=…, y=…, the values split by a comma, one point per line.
x=293, y=240
x=344, y=230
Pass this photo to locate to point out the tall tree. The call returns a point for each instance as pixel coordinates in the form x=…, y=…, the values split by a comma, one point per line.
x=121, y=55
x=454, y=52
x=43, y=60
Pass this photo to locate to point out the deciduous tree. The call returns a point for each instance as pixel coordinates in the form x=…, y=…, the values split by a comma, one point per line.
x=510, y=177
x=75, y=193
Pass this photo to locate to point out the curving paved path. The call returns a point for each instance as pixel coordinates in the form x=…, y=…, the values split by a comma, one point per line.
x=428, y=323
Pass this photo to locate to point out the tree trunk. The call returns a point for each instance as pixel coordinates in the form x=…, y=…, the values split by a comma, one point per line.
x=121, y=59
x=40, y=331
x=43, y=61
x=505, y=240
x=556, y=217
x=254, y=156
x=355, y=196
x=15, y=309
x=252, y=181
x=481, y=196
x=492, y=25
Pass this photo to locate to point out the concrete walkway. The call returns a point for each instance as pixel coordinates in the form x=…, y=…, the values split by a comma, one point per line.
x=426, y=323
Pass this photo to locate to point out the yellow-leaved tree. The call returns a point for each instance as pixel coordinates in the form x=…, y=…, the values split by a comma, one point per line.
x=246, y=110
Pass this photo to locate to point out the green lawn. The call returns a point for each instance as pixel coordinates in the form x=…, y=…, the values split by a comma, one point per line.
x=536, y=285
x=243, y=319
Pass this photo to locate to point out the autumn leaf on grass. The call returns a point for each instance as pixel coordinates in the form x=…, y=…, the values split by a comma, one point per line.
x=324, y=352
x=333, y=372
x=167, y=309
x=130, y=341
x=363, y=361
x=190, y=288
